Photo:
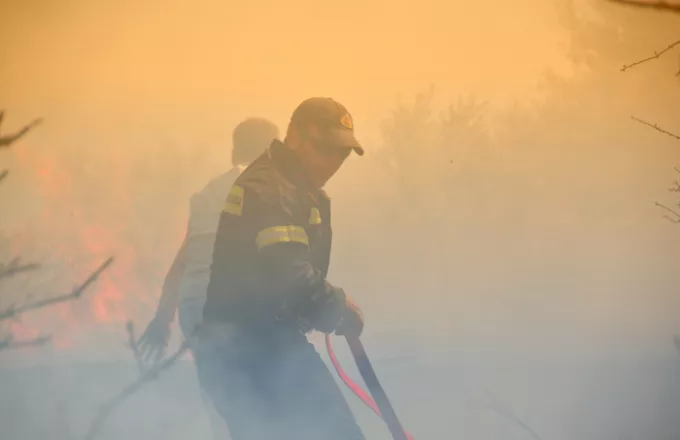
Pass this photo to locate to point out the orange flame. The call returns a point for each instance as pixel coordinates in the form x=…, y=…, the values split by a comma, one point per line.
x=83, y=236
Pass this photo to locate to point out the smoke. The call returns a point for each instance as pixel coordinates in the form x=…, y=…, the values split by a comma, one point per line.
x=500, y=233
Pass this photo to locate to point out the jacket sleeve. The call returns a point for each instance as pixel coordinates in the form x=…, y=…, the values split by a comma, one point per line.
x=262, y=246
x=284, y=268
x=301, y=288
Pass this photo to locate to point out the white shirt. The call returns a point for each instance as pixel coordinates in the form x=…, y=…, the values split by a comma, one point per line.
x=205, y=209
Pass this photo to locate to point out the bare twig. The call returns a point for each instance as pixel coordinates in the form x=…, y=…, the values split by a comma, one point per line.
x=9, y=344
x=75, y=294
x=653, y=57
x=13, y=268
x=132, y=343
x=149, y=375
x=658, y=5
x=675, y=213
x=8, y=140
x=675, y=188
x=508, y=414
x=3, y=174
x=655, y=127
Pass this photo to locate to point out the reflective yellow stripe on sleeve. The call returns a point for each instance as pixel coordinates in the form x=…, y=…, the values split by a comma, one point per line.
x=234, y=203
x=315, y=217
x=281, y=234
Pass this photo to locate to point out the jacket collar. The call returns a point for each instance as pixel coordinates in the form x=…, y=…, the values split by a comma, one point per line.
x=289, y=165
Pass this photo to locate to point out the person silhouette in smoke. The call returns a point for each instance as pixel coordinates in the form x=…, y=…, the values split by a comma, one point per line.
x=186, y=283
x=8, y=140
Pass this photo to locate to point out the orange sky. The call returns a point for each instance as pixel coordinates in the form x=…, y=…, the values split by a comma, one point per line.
x=196, y=63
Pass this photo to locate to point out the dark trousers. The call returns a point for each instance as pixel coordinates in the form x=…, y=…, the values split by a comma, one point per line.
x=271, y=385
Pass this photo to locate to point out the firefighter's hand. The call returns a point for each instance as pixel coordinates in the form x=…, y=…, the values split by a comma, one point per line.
x=352, y=322
x=154, y=340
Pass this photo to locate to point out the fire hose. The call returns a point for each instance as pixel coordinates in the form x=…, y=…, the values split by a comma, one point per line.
x=378, y=403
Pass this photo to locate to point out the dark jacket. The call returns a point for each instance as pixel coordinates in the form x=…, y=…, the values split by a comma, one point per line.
x=272, y=249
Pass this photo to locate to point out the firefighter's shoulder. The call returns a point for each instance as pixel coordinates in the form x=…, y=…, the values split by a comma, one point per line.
x=258, y=187
x=212, y=195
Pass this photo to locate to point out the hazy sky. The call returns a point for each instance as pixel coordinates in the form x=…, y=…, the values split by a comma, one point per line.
x=194, y=64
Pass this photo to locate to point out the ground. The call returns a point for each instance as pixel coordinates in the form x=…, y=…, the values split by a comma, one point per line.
x=438, y=395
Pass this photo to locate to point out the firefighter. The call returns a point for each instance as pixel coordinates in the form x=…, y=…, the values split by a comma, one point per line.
x=8, y=140
x=268, y=289
x=186, y=283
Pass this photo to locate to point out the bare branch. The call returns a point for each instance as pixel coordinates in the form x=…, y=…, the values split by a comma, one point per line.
x=675, y=188
x=508, y=414
x=675, y=213
x=3, y=174
x=148, y=376
x=655, y=127
x=13, y=268
x=9, y=344
x=132, y=343
x=75, y=294
x=658, y=5
x=7, y=141
x=653, y=57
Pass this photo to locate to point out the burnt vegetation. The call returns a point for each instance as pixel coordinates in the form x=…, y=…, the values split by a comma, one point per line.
x=670, y=213
x=15, y=266
x=470, y=178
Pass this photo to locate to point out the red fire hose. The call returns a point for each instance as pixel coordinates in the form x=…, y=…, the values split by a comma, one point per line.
x=379, y=402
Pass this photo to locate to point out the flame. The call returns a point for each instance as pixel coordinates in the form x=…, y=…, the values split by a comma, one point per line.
x=81, y=234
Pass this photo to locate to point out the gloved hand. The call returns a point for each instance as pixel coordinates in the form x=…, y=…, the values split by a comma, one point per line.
x=351, y=323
